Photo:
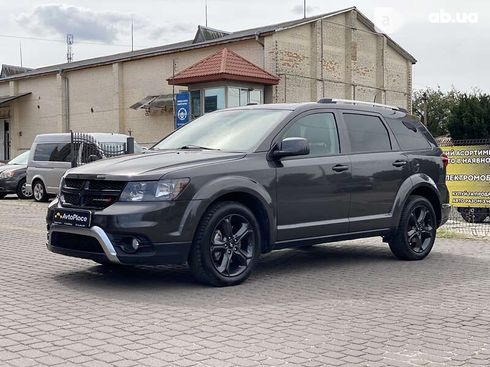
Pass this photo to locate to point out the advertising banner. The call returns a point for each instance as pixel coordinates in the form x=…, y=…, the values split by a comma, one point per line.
x=182, y=107
x=468, y=175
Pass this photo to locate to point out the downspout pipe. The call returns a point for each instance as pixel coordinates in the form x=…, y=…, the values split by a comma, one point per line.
x=66, y=93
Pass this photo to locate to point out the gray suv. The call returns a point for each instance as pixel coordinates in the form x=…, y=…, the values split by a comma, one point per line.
x=237, y=183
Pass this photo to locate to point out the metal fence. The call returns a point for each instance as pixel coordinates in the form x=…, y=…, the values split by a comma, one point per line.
x=468, y=182
x=85, y=148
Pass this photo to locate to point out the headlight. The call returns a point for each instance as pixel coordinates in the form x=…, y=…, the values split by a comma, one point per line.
x=154, y=190
x=7, y=174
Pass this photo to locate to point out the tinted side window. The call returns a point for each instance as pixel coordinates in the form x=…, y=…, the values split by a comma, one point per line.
x=410, y=134
x=321, y=132
x=53, y=152
x=367, y=133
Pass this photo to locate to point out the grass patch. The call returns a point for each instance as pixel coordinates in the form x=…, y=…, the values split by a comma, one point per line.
x=444, y=233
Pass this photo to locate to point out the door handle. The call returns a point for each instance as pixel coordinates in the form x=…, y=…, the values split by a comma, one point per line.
x=340, y=168
x=399, y=163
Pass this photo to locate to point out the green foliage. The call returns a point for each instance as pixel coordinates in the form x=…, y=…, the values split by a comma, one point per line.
x=439, y=106
x=470, y=117
x=461, y=115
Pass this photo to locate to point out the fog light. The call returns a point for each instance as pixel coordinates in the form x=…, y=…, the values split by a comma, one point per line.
x=135, y=244
x=130, y=245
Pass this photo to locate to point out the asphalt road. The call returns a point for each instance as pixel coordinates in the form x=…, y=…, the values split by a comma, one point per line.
x=348, y=303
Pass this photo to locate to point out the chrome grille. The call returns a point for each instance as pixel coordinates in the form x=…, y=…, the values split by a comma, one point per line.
x=90, y=194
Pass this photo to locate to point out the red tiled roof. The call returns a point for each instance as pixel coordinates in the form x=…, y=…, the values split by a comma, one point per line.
x=223, y=65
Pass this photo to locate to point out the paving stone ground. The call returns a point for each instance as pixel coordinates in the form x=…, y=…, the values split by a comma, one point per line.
x=342, y=304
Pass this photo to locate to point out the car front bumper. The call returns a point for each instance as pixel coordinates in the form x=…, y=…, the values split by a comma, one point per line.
x=8, y=186
x=163, y=230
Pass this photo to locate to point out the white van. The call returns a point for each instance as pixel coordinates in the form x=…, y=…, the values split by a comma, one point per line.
x=51, y=157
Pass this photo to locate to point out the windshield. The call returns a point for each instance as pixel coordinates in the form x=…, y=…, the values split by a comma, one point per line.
x=20, y=159
x=229, y=130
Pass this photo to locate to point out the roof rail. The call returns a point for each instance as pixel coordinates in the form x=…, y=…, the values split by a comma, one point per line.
x=362, y=103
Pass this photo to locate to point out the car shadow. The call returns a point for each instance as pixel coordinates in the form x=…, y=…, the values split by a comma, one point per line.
x=334, y=271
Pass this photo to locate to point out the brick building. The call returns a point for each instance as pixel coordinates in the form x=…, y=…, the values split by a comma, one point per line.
x=337, y=55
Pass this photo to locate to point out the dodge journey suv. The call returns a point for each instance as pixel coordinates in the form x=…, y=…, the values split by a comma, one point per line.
x=240, y=182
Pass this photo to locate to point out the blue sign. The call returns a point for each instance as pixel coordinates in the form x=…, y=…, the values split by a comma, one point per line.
x=182, y=108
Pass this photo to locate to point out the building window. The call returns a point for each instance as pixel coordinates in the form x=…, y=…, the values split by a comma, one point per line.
x=233, y=97
x=243, y=96
x=255, y=96
x=214, y=99
x=196, y=110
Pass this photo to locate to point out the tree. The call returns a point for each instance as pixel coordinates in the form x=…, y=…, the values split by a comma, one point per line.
x=439, y=107
x=470, y=117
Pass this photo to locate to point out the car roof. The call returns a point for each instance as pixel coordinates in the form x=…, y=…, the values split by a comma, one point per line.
x=387, y=111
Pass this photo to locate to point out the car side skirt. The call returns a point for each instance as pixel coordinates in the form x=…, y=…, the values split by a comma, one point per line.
x=331, y=238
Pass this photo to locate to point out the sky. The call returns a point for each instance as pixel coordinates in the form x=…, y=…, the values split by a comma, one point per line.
x=449, y=38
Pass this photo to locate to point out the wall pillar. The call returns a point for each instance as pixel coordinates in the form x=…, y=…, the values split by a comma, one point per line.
x=118, y=97
x=380, y=68
x=14, y=124
x=350, y=52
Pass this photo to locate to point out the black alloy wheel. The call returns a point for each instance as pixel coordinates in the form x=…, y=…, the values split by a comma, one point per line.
x=232, y=245
x=416, y=232
x=226, y=246
x=420, y=231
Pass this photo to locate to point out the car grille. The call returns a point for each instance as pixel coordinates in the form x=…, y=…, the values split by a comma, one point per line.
x=90, y=194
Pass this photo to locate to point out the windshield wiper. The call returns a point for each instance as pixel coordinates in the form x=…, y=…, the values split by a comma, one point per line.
x=190, y=146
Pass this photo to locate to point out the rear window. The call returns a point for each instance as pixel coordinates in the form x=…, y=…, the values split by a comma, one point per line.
x=409, y=134
x=367, y=133
x=53, y=152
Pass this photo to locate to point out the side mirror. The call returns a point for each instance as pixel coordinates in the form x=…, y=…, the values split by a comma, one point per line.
x=291, y=147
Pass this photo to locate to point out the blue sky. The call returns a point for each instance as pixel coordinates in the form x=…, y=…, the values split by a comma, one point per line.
x=448, y=38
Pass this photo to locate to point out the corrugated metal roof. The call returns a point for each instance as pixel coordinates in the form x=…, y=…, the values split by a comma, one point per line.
x=204, y=34
x=223, y=65
x=6, y=99
x=189, y=45
x=8, y=70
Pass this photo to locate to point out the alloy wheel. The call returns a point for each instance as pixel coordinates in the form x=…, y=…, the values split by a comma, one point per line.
x=26, y=193
x=38, y=191
x=420, y=229
x=232, y=245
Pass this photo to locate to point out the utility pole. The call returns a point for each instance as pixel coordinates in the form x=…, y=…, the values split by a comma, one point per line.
x=20, y=51
x=206, y=11
x=69, y=49
x=132, y=34
x=304, y=8
x=425, y=100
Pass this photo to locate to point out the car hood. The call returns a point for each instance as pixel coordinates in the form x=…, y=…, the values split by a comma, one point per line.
x=12, y=167
x=150, y=165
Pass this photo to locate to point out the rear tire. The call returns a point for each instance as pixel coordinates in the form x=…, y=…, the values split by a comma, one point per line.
x=39, y=192
x=22, y=191
x=474, y=215
x=416, y=233
x=226, y=246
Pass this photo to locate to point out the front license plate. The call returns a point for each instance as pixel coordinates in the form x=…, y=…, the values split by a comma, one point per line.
x=74, y=218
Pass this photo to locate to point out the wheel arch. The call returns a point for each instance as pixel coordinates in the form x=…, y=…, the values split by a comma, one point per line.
x=247, y=192
x=422, y=185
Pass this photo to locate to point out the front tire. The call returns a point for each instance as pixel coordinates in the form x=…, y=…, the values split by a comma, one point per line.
x=22, y=191
x=39, y=192
x=226, y=246
x=416, y=233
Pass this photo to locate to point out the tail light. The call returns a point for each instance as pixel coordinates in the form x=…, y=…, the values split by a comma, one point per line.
x=445, y=159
